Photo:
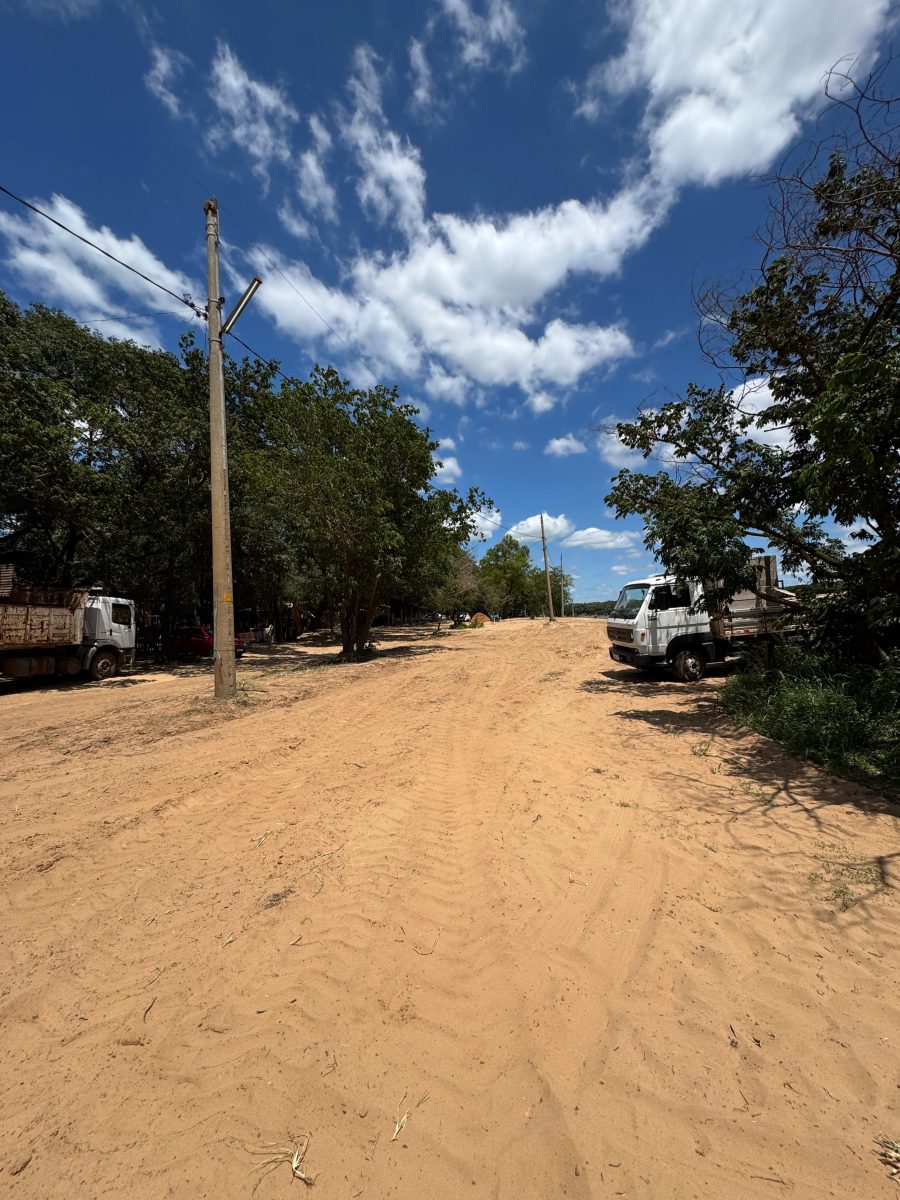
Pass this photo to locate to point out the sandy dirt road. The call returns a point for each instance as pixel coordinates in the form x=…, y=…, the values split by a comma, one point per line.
x=593, y=944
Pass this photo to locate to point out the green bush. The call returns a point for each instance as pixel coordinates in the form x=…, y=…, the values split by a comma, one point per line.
x=845, y=717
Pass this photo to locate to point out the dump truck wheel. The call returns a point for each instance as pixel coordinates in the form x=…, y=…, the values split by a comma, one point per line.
x=103, y=665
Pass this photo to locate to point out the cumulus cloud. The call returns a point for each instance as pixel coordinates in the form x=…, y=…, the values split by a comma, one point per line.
x=440, y=385
x=487, y=39
x=613, y=451
x=620, y=569
x=61, y=270
x=423, y=99
x=316, y=190
x=449, y=470
x=752, y=398
x=600, y=539
x=296, y=225
x=728, y=86
x=391, y=183
x=568, y=444
x=529, y=530
x=520, y=445
x=166, y=68
x=487, y=523
x=256, y=117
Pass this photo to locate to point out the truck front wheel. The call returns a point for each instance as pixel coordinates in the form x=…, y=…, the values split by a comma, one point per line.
x=689, y=666
x=103, y=665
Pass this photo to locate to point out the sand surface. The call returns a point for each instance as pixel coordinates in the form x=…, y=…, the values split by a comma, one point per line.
x=552, y=924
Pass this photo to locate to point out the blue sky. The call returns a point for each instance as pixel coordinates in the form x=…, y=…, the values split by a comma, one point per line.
x=500, y=206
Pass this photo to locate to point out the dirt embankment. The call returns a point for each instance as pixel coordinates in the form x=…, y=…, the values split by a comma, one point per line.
x=486, y=916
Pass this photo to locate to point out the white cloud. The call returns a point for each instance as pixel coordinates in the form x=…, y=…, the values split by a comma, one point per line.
x=166, y=68
x=600, y=539
x=296, y=225
x=670, y=336
x=727, y=86
x=487, y=523
x=315, y=189
x=520, y=445
x=485, y=39
x=851, y=541
x=423, y=99
x=449, y=470
x=64, y=9
x=615, y=452
x=257, y=117
x=447, y=444
x=442, y=386
x=391, y=182
x=620, y=569
x=61, y=270
x=560, y=447
x=753, y=397
x=529, y=530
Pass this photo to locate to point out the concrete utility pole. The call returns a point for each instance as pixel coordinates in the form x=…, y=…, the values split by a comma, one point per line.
x=547, y=571
x=223, y=601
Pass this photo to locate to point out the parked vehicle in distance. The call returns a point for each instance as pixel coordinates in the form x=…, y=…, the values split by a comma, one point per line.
x=62, y=631
x=656, y=621
x=196, y=641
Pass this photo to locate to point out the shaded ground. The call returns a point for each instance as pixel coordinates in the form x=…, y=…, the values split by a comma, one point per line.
x=583, y=937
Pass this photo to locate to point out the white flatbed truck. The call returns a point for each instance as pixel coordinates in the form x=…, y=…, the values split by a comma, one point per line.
x=657, y=622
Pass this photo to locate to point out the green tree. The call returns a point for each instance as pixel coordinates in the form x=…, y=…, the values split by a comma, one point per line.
x=811, y=433
x=358, y=469
x=507, y=578
x=459, y=590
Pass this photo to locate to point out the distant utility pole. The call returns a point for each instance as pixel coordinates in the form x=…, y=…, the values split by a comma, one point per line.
x=223, y=600
x=562, y=589
x=547, y=571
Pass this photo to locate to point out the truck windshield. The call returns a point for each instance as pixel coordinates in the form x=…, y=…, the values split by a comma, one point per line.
x=630, y=600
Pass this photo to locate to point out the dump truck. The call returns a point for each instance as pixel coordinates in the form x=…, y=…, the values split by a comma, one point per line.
x=658, y=621
x=63, y=631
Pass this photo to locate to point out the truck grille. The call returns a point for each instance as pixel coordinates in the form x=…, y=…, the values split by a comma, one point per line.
x=616, y=633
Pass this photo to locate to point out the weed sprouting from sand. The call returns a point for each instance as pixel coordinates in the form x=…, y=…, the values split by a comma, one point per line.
x=292, y=1155
x=849, y=880
x=888, y=1152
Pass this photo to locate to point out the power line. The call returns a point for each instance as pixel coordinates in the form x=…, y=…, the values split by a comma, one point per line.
x=101, y=320
x=93, y=245
x=268, y=362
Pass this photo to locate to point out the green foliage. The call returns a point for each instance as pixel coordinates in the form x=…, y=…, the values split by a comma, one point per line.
x=594, y=608
x=511, y=583
x=104, y=478
x=822, y=325
x=845, y=717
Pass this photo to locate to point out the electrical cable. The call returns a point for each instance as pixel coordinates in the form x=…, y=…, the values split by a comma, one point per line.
x=201, y=312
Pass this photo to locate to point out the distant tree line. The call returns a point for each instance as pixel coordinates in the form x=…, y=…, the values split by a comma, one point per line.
x=593, y=608
x=104, y=479
x=505, y=582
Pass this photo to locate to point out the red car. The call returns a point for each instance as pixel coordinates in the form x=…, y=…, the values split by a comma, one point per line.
x=196, y=641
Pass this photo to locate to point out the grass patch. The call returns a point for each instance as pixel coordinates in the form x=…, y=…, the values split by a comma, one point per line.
x=844, y=717
x=847, y=880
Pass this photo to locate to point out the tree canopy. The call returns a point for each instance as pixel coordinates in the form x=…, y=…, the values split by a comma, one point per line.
x=104, y=478
x=805, y=434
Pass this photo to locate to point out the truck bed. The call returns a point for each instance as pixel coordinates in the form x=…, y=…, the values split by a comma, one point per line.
x=28, y=625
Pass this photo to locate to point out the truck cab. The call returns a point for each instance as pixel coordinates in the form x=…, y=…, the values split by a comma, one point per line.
x=654, y=621
x=108, y=638
x=660, y=621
